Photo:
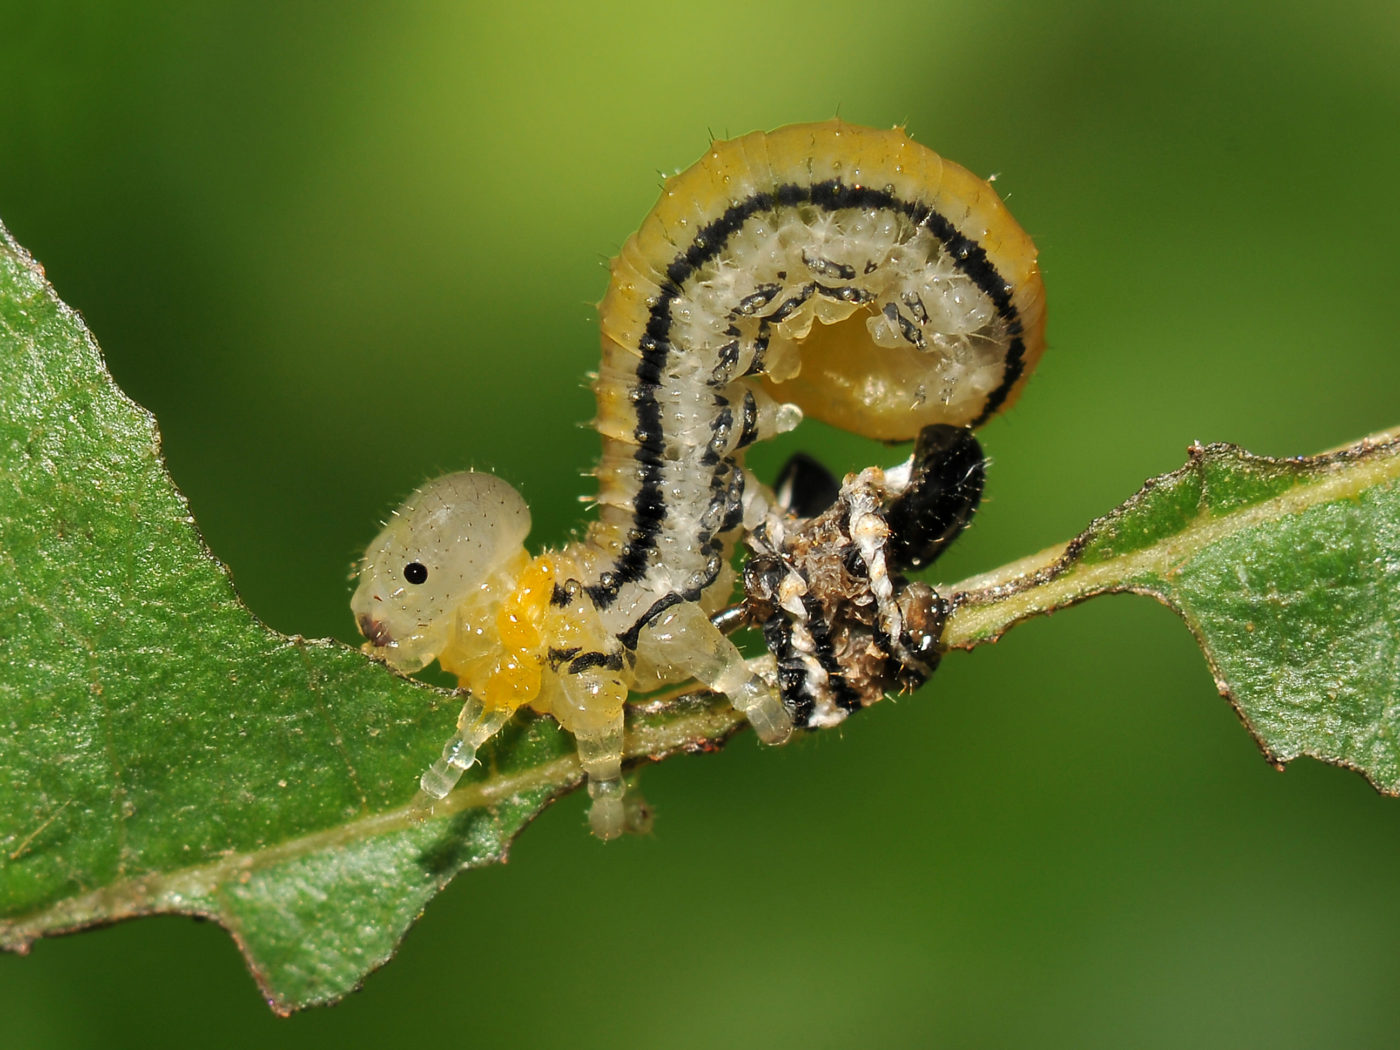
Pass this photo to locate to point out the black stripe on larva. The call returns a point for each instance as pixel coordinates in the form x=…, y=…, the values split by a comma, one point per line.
x=971, y=258
x=750, y=427
x=734, y=503
x=751, y=304
x=968, y=256
x=789, y=305
x=719, y=433
x=559, y=597
x=916, y=306
x=760, y=350
x=629, y=639
x=725, y=359
x=588, y=661
x=827, y=267
x=844, y=293
x=649, y=369
x=558, y=656
x=712, y=518
x=907, y=328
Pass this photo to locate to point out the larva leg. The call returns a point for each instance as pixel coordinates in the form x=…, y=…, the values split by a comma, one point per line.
x=475, y=726
x=589, y=705
x=684, y=640
x=600, y=753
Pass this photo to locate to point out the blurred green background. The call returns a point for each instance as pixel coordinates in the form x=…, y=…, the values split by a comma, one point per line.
x=337, y=248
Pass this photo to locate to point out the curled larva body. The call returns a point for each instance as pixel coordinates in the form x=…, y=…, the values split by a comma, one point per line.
x=827, y=269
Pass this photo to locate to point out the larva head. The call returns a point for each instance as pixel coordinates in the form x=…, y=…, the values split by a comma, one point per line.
x=437, y=550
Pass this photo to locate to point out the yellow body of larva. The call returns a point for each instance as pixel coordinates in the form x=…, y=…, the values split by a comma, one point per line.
x=828, y=269
x=503, y=636
x=836, y=367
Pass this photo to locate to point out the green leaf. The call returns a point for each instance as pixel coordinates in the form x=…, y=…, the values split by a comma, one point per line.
x=163, y=751
x=1286, y=571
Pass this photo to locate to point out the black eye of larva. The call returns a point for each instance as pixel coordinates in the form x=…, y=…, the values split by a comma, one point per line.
x=415, y=572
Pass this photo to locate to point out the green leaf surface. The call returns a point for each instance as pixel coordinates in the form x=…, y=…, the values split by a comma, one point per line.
x=1286, y=571
x=163, y=751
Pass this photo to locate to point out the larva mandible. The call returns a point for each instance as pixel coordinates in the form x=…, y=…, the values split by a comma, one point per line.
x=838, y=271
